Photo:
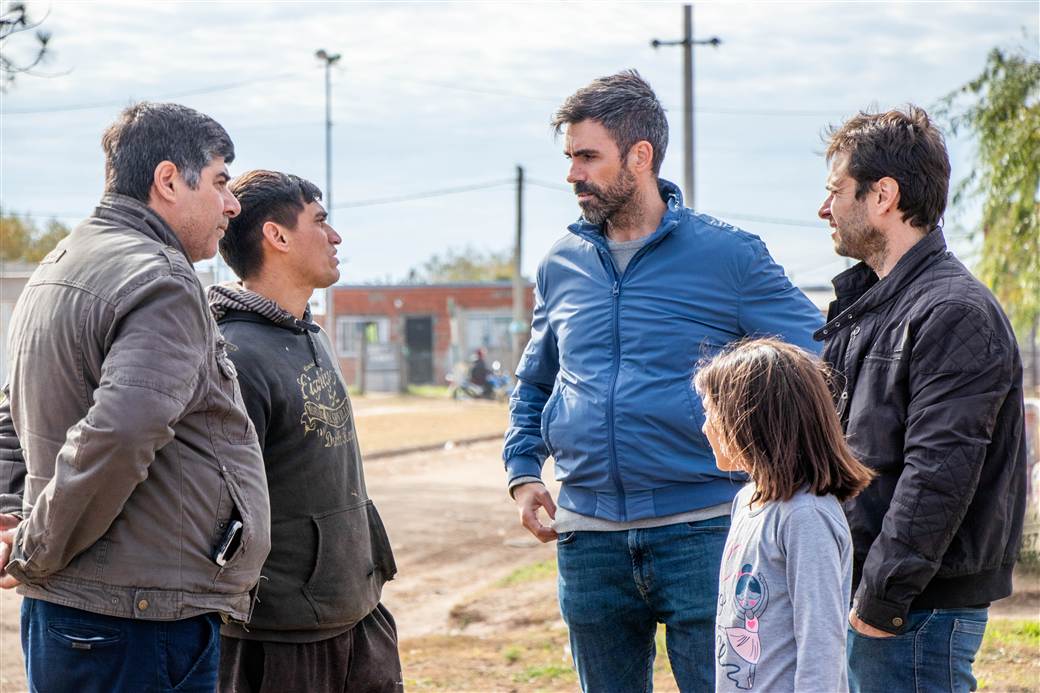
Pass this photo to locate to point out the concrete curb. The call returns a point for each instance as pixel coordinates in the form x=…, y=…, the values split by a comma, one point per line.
x=429, y=447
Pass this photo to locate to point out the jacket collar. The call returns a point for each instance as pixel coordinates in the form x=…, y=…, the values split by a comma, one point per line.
x=593, y=233
x=140, y=217
x=858, y=289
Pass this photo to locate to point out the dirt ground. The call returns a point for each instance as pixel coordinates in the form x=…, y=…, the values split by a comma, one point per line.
x=451, y=523
x=475, y=598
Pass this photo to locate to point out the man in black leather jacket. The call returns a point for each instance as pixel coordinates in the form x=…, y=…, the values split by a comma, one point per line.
x=928, y=384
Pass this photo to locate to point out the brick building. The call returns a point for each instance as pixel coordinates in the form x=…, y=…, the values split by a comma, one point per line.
x=421, y=331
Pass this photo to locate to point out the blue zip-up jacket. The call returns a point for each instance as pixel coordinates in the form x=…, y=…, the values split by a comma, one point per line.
x=604, y=385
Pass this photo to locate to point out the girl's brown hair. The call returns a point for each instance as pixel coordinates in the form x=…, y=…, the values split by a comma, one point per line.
x=772, y=411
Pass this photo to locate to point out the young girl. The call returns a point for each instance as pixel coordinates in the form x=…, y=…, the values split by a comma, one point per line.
x=787, y=566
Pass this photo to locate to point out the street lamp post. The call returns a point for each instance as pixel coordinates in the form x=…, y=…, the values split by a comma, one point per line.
x=328, y=305
x=330, y=59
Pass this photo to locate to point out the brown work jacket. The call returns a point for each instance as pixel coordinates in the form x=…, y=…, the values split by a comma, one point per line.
x=125, y=444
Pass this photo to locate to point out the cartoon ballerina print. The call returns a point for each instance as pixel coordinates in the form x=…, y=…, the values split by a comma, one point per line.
x=749, y=603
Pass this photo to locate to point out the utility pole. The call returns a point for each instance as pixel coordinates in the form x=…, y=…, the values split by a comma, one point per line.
x=688, y=42
x=330, y=59
x=516, y=327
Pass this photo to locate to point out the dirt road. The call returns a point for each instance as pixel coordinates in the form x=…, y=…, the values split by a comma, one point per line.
x=452, y=525
x=453, y=529
x=456, y=536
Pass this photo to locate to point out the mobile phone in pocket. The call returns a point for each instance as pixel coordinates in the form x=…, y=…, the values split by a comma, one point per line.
x=229, y=544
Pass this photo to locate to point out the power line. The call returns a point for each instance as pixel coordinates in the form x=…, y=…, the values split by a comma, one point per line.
x=439, y=85
x=557, y=100
x=424, y=195
x=551, y=186
x=779, y=221
x=122, y=102
x=371, y=202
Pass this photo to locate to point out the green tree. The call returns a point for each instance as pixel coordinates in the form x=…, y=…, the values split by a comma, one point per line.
x=21, y=240
x=1001, y=108
x=465, y=265
x=15, y=237
x=45, y=241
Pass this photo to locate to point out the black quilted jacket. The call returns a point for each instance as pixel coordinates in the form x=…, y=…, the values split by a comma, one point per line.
x=928, y=386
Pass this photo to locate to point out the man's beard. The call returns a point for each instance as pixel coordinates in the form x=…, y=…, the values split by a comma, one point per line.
x=608, y=202
x=859, y=240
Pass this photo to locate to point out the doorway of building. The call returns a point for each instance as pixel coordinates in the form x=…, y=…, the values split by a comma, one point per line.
x=418, y=338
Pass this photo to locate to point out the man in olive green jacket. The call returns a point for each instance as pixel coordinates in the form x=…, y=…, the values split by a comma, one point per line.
x=142, y=498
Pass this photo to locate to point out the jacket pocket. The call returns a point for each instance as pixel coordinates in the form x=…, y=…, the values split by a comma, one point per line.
x=234, y=422
x=547, y=413
x=244, y=558
x=84, y=635
x=354, y=560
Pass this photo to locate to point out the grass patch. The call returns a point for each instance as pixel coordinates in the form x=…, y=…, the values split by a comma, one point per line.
x=533, y=659
x=433, y=391
x=547, y=673
x=1009, y=660
x=512, y=654
x=542, y=570
x=532, y=654
x=1012, y=633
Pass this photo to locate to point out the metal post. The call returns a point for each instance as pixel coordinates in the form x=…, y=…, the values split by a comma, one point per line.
x=362, y=379
x=689, y=189
x=518, y=281
x=688, y=42
x=330, y=59
x=328, y=138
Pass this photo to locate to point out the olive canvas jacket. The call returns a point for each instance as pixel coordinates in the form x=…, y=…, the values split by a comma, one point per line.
x=124, y=442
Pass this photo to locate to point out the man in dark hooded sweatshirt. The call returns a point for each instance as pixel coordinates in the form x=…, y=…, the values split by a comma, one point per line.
x=318, y=625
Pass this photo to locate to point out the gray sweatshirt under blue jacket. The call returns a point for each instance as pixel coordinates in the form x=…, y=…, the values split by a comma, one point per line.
x=784, y=593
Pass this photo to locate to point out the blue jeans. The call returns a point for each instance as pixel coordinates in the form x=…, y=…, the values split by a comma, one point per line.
x=69, y=649
x=615, y=587
x=933, y=654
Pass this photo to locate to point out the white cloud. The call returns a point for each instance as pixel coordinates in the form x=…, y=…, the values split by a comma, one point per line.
x=429, y=95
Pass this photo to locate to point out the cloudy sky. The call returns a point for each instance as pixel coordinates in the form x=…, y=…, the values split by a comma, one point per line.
x=430, y=97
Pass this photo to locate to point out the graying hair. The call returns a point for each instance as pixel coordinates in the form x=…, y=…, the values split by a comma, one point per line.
x=626, y=106
x=147, y=134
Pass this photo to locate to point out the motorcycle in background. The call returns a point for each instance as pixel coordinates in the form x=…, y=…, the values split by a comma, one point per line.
x=499, y=384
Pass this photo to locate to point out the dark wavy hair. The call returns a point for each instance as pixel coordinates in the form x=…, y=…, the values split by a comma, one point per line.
x=904, y=145
x=146, y=134
x=626, y=106
x=774, y=415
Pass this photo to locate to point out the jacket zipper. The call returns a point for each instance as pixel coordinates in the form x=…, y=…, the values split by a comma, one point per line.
x=615, y=472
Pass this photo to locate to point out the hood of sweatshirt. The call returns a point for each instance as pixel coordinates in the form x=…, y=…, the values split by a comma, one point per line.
x=233, y=296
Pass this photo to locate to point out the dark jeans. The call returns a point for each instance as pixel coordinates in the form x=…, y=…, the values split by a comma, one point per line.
x=362, y=660
x=69, y=649
x=615, y=587
x=934, y=654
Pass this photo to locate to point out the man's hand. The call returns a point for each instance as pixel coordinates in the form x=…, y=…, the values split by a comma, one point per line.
x=530, y=497
x=8, y=526
x=865, y=628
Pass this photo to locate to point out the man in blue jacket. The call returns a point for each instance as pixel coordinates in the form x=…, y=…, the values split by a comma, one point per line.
x=626, y=304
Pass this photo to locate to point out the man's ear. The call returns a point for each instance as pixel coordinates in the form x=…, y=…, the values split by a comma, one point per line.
x=884, y=196
x=641, y=156
x=164, y=180
x=275, y=236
